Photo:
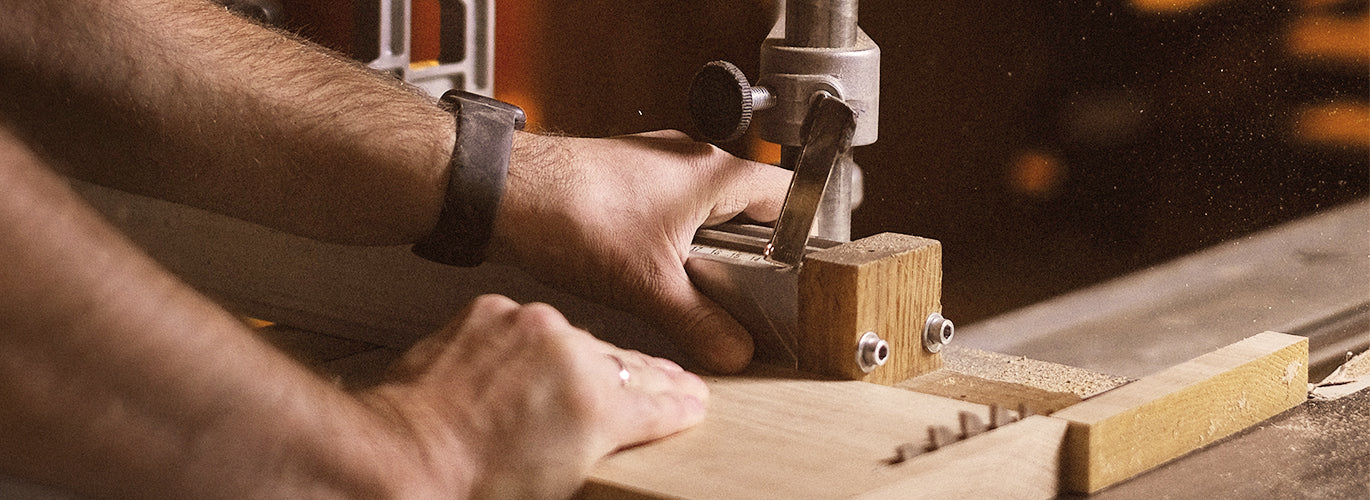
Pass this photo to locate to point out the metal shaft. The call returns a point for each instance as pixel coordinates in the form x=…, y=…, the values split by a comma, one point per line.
x=820, y=23
x=825, y=24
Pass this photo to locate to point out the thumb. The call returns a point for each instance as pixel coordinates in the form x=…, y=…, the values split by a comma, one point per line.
x=701, y=327
x=755, y=189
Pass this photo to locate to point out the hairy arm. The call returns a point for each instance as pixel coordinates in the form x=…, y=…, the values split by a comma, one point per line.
x=119, y=381
x=182, y=100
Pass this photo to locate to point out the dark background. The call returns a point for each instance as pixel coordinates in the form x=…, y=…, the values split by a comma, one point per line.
x=1047, y=144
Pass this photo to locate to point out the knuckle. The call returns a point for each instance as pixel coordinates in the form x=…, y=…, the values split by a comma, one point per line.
x=491, y=304
x=539, y=316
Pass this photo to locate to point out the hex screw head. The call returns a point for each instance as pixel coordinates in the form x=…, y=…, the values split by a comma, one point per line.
x=937, y=332
x=871, y=352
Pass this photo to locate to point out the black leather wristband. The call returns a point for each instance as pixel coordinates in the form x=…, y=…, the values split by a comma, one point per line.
x=475, y=185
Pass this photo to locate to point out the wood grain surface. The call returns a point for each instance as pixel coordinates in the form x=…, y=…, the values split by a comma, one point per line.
x=776, y=434
x=888, y=284
x=1128, y=430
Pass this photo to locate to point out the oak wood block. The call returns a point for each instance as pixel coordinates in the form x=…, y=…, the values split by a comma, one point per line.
x=1121, y=433
x=888, y=284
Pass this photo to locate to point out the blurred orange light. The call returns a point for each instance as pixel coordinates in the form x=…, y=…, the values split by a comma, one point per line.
x=1037, y=173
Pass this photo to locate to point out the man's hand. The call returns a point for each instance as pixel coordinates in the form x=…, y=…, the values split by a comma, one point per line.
x=612, y=220
x=517, y=399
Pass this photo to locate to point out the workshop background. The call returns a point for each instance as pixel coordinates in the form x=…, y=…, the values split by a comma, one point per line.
x=1047, y=144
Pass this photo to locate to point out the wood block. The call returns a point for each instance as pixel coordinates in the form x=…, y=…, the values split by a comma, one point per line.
x=768, y=435
x=1123, y=432
x=888, y=284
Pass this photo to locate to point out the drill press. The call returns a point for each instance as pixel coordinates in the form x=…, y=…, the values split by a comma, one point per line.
x=817, y=96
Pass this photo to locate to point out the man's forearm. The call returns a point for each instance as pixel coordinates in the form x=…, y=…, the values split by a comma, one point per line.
x=181, y=100
x=117, y=380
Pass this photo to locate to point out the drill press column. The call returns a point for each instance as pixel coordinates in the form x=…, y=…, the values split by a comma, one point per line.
x=815, y=47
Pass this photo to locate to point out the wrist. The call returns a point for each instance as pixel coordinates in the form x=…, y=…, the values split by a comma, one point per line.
x=412, y=448
x=538, y=175
x=477, y=174
x=328, y=444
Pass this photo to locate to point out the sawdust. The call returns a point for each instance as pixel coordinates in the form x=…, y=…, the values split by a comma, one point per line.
x=1359, y=366
x=1353, y=376
x=1043, y=375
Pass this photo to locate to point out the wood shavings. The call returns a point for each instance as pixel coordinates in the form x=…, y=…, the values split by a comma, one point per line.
x=1030, y=372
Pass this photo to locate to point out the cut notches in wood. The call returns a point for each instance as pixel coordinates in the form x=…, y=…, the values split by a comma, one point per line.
x=971, y=425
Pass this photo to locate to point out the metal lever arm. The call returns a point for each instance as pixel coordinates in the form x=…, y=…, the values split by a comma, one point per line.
x=827, y=133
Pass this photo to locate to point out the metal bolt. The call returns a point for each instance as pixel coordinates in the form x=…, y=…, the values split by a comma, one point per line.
x=871, y=352
x=937, y=332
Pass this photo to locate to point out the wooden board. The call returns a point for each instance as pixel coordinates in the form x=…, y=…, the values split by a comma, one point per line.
x=770, y=436
x=1128, y=430
x=1319, y=449
x=888, y=284
x=380, y=295
x=1008, y=395
x=1016, y=461
x=782, y=436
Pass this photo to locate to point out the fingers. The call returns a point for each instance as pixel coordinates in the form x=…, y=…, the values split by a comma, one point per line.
x=649, y=374
x=739, y=186
x=659, y=398
x=699, y=325
x=755, y=189
x=655, y=416
x=766, y=187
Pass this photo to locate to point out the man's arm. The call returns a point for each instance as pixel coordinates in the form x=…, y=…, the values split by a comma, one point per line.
x=181, y=100
x=117, y=380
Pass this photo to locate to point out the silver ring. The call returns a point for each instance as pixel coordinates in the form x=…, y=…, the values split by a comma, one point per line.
x=623, y=374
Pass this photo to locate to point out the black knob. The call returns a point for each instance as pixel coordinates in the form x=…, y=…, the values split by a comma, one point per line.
x=721, y=101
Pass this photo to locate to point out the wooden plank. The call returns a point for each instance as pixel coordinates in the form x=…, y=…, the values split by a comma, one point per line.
x=380, y=295
x=771, y=436
x=1020, y=460
x=888, y=284
x=1133, y=428
x=1319, y=449
x=1008, y=395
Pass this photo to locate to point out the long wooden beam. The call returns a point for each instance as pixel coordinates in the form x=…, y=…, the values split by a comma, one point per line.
x=1126, y=431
